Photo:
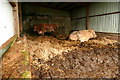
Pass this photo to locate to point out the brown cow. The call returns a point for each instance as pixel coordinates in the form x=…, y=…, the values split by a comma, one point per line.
x=42, y=28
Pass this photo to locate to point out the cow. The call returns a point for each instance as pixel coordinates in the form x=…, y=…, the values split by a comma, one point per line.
x=42, y=28
x=82, y=35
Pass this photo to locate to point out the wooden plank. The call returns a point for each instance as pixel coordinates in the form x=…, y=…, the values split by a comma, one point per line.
x=3, y=50
x=7, y=42
x=41, y=5
x=16, y=19
x=20, y=17
x=12, y=2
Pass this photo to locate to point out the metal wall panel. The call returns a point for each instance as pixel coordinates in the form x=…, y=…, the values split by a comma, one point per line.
x=35, y=15
x=105, y=23
x=79, y=24
x=108, y=23
x=63, y=23
x=78, y=13
x=36, y=10
x=103, y=7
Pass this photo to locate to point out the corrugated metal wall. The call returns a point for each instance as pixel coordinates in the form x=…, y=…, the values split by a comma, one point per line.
x=108, y=23
x=35, y=15
x=79, y=12
x=103, y=7
x=105, y=23
x=63, y=23
x=37, y=10
x=78, y=24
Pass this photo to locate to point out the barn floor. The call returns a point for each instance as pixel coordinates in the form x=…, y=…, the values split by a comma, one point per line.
x=49, y=57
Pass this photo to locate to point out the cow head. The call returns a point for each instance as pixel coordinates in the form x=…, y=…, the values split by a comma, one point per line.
x=93, y=35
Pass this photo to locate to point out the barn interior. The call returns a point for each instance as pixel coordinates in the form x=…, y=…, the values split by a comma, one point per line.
x=59, y=13
x=53, y=54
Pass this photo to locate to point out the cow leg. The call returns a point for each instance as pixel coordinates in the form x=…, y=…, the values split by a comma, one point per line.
x=42, y=34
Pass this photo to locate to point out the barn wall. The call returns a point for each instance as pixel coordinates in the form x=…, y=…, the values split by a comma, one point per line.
x=37, y=10
x=103, y=7
x=103, y=23
x=6, y=21
x=33, y=15
x=78, y=24
x=108, y=23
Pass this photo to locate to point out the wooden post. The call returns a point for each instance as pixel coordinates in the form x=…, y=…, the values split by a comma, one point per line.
x=16, y=18
x=13, y=4
x=87, y=17
x=20, y=17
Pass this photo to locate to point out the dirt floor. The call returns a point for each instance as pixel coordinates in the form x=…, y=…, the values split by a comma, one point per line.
x=51, y=57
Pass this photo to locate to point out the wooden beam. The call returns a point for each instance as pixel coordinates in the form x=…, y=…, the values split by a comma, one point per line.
x=55, y=8
x=69, y=5
x=53, y=4
x=87, y=17
x=16, y=19
x=59, y=4
x=13, y=4
x=20, y=17
x=41, y=5
x=63, y=5
x=8, y=42
x=80, y=3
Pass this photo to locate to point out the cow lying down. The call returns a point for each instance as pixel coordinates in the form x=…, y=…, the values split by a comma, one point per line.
x=82, y=35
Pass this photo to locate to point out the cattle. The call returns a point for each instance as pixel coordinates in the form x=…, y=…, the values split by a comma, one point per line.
x=42, y=28
x=82, y=35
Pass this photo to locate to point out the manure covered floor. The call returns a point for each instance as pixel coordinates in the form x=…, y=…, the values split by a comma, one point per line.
x=50, y=57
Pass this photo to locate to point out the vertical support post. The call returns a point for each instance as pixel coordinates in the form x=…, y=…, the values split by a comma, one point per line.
x=16, y=18
x=20, y=17
x=87, y=17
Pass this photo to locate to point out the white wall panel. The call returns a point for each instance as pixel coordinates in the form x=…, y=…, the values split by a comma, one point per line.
x=6, y=21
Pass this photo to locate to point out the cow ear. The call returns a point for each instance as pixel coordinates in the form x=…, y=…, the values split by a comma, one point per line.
x=91, y=30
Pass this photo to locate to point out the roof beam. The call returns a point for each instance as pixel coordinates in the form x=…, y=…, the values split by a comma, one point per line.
x=37, y=4
x=80, y=3
x=59, y=4
x=63, y=5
